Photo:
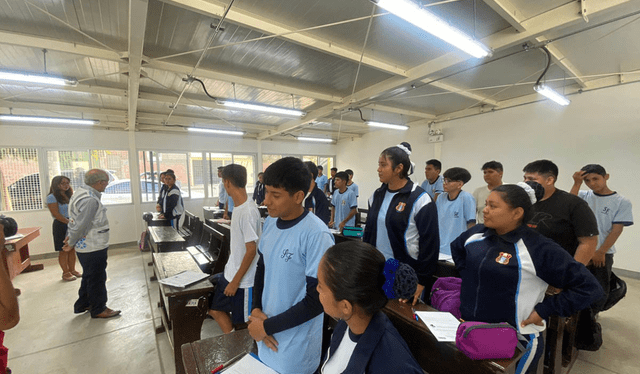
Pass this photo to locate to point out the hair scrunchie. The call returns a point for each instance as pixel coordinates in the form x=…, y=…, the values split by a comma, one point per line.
x=529, y=191
x=401, y=280
x=408, y=152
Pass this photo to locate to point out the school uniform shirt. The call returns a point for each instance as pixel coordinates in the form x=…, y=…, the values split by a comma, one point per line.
x=285, y=289
x=453, y=217
x=480, y=195
x=354, y=187
x=258, y=193
x=410, y=221
x=245, y=228
x=342, y=204
x=609, y=210
x=433, y=189
x=173, y=206
x=62, y=208
x=162, y=194
x=319, y=204
x=563, y=218
x=505, y=277
x=379, y=350
x=321, y=181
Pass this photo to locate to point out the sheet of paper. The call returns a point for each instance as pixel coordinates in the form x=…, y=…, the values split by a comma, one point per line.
x=443, y=325
x=249, y=364
x=184, y=279
x=16, y=236
x=334, y=231
x=444, y=257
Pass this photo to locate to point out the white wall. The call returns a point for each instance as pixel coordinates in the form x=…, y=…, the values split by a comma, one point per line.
x=125, y=224
x=598, y=127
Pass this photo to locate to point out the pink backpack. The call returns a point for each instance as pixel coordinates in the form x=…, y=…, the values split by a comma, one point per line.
x=445, y=295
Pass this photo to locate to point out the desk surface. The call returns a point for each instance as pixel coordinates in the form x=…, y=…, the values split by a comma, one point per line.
x=202, y=356
x=29, y=233
x=171, y=263
x=164, y=234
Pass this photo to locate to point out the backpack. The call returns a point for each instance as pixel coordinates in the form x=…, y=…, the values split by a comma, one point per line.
x=445, y=295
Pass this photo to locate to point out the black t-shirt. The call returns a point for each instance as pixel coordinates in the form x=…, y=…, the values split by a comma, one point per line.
x=563, y=218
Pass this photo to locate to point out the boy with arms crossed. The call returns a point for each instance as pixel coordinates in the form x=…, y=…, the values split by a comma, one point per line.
x=234, y=291
x=286, y=320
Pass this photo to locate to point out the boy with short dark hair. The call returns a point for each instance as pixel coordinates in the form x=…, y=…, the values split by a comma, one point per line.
x=344, y=203
x=286, y=320
x=258, y=191
x=492, y=173
x=316, y=201
x=224, y=200
x=612, y=211
x=320, y=179
x=433, y=183
x=234, y=290
x=456, y=208
x=354, y=187
x=331, y=184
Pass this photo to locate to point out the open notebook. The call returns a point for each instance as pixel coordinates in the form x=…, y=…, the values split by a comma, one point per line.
x=249, y=364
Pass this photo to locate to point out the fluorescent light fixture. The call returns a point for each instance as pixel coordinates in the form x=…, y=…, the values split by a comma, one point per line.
x=66, y=121
x=434, y=25
x=261, y=108
x=37, y=78
x=214, y=131
x=387, y=125
x=321, y=140
x=551, y=94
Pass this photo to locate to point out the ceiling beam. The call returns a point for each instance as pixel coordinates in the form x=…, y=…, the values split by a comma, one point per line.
x=406, y=112
x=256, y=22
x=460, y=91
x=137, y=25
x=508, y=12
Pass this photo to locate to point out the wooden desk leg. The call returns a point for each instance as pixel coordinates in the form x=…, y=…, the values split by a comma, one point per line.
x=33, y=267
x=554, y=338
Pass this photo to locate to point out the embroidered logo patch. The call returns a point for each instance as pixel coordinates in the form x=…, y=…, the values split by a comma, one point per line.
x=286, y=255
x=503, y=258
x=400, y=207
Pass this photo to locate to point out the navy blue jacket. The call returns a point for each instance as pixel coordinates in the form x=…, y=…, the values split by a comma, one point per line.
x=504, y=277
x=380, y=349
x=318, y=201
x=397, y=221
x=258, y=193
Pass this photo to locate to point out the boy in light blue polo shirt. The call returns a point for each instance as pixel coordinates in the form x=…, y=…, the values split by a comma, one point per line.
x=456, y=208
x=612, y=211
x=433, y=183
x=351, y=184
x=344, y=203
x=286, y=319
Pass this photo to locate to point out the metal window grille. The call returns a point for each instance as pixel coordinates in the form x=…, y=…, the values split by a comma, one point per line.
x=153, y=163
x=215, y=160
x=20, y=187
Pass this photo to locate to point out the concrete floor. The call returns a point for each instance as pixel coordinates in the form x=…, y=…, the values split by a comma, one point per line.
x=51, y=339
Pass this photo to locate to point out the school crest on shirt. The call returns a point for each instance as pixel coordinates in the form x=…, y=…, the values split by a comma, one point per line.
x=400, y=207
x=286, y=254
x=503, y=258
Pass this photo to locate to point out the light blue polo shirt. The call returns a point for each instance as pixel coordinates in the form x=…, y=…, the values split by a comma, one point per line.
x=62, y=208
x=608, y=209
x=343, y=203
x=433, y=189
x=453, y=217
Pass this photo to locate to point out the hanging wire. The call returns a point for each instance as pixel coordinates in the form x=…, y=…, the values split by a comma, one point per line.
x=546, y=51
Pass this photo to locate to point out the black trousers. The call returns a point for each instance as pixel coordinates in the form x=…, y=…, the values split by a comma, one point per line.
x=93, y=288
x=603, y=275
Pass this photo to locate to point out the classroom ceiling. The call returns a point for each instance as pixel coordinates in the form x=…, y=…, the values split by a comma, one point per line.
x=328, y=58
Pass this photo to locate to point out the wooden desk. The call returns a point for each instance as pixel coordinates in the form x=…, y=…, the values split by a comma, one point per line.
x=212, y=212
x=436, y=357
x=183, y=309
x=165, y=239
x=16, y=252
x=205, y=355
x=157, y=221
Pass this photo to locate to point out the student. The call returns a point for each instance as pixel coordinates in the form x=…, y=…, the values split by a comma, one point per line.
x=286, y=319
x=506, y=268
x=350, y=284
x=433, y=183
x=235, y=287
x=492, y=173
x=173, y=206
x=321, y=180
x=560, y=216
x=456, y=208
x=612, y=211
x=354, y=187
x=58, y=203
x=331, y=184
x=344, y=204
x=403, y=222
x=162, y=193
x=258, y=191
x=224, y=200
x=316, y=202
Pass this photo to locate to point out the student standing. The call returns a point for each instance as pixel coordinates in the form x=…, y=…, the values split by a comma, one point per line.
x=433, y=183
x=492, y=173
x=321, y=179
x=224, y=200
x=162, y=193
x=258, y=191
x=403, y=222
x=58, y=203
x=316, y=202
x=613, y=212
x=354, y=187
x=235, y=287
x=456, y=208
x=173, y=206
x=506, y=268
x=344, y=204
x=331, y=184
x=286, y=319
x=350, y=284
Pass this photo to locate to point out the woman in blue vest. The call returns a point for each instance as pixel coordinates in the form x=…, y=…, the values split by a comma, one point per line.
x=402, y=222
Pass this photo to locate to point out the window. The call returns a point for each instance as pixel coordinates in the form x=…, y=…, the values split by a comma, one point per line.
x=216, y=160
x=152, y=163
x=20, y=179
x=268, y=160
x=197, y=173
x=326, y=161
x=248, y=162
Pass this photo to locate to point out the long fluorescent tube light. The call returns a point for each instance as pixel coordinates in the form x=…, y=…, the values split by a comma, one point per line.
x=551, y=94
x=214, y=131
x=67, y=121
x=434, y=25
x=37, y=78
x=321, y=140
x=387, y=125
x=262, y=108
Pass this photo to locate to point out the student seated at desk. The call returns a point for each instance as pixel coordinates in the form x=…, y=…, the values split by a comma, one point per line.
x=506, y=267
x=353, y=289
x=235, y=287
x=286, y=319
